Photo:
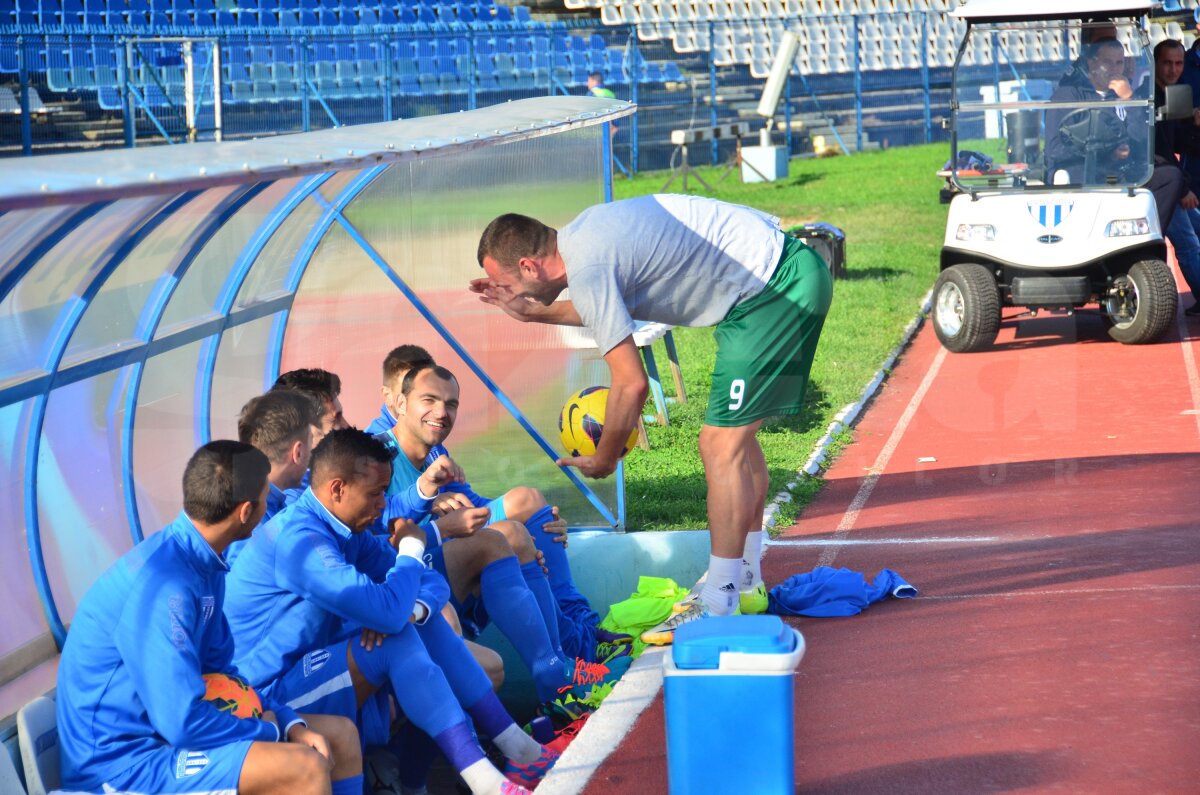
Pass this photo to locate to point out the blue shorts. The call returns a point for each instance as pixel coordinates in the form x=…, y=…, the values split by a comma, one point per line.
x=318, y=683
x=178, y=771
x=471, y=613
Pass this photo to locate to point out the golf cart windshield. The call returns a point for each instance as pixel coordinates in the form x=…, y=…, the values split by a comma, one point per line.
x=1051, y=104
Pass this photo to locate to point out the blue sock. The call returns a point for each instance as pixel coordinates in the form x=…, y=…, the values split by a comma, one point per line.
x=555, y=554
x=490, y=716
x=348, y=786
x=467, y=679
x=515, y=611
x=419, y=684
x=539, y=586
x=416, y=752
x=459, y=745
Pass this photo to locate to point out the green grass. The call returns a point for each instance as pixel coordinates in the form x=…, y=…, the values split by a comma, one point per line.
x=887, y=204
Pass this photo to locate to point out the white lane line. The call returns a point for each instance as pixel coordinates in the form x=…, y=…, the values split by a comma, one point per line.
x=1064, y=592
x=608, y=725
x=885, y=455
x=1189, y=364
x=850, y=542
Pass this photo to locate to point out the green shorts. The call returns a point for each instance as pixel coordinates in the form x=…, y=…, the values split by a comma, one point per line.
x=765, y=345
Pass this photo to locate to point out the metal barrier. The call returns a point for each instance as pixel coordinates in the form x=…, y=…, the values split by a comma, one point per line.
x=856, y=80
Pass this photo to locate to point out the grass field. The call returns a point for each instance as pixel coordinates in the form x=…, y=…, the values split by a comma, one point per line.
x=887, y=204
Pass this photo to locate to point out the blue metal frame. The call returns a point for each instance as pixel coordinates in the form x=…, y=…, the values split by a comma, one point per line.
x=231, y=288
x=606, y=157
x=59, y=337
x=301, y=261
x=156, y=307
x=457, y=347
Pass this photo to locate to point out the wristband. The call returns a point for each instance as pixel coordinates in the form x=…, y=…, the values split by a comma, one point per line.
x=410, y=547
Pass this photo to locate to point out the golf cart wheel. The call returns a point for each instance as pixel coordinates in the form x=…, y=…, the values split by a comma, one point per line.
x=1140, y=307
x=966, y=308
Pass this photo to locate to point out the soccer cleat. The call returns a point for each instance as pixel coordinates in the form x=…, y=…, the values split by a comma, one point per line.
x=509, y=788
x=528, y=776
x=584, y=676
x=692, y=598
x=664, y=633
x=753, y=602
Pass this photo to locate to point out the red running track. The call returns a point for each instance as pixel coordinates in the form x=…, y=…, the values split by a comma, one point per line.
x=1043, y=497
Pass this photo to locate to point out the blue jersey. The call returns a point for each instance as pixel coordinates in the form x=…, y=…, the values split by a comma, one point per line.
x=405, y=475
x=383, y=423
x=276, y=500
x=305, y=581
x=130, y=677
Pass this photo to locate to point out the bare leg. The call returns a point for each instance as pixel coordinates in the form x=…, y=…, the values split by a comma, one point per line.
x=284, y=769
x=735, y=470
x=732, y=469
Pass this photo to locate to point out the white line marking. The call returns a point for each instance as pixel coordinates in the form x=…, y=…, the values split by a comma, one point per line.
x=1064, y=592
x=885, y=455
x=1189, y=363
x=608, y=725
x=848, y=542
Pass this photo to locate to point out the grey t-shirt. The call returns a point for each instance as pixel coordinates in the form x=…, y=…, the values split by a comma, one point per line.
x=682, y=260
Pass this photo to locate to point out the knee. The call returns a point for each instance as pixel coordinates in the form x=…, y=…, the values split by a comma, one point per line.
x=517, y=539
x=308, y=770
x=344, y=742
x=523, y=501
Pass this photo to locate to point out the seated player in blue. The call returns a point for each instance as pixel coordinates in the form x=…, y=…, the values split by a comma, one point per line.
x=396, y=364
x=131, y=711
x=491, y=563
x=325, y=615
x=324, y=387
x=280, y=425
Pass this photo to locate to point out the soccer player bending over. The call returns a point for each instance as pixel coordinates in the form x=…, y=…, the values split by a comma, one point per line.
x=327, y=615
x=131, y=710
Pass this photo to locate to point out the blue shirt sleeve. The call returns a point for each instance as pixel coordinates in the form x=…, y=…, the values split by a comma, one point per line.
x=159, y=637
x=408, y=504
x=311, y=566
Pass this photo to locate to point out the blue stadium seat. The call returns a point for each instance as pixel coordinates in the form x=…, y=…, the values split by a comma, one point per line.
x=521, y=15
x=502, y=14
x=408, y=83
x=308, y=18
x=671, y=73
x=407, y=16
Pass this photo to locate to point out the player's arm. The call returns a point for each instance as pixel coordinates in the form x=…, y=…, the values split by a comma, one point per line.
x=559, y=313
x=157, y=636
x=626, y=396
x=315, y=569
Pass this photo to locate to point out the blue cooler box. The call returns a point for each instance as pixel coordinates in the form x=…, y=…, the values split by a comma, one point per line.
x=728, y=698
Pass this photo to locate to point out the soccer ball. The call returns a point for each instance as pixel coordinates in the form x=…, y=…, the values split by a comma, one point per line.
x=232, y=695
x=582, y=421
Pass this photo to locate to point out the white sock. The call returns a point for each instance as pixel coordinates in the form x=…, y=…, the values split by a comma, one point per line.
x=517, y=745
x=752, y=561
x=483, y=778
x=720, y=589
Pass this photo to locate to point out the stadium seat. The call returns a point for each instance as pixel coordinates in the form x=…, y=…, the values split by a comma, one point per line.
x=10, y=781
x=37, y=730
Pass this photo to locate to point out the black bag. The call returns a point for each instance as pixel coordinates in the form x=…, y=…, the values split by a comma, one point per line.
x=828, y=241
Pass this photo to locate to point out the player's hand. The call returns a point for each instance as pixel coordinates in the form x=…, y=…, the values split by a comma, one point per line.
x=502, y=298
x=305, y=736
x=556, y=527
x=1120, y=86
x=463, y=522
x=370, y=639
x=541, y=561
x=450, y=501
x=441, y=472
x=1189, y=201
x=589, y=465
x=405, y=528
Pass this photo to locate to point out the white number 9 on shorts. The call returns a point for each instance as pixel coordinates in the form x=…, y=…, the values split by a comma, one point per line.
x=737, y=392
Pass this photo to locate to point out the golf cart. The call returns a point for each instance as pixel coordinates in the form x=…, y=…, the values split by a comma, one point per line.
x=1049, y=212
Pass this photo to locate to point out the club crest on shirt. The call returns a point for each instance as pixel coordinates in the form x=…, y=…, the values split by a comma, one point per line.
x=315, y=661
x=189, y=763
x=208, y=606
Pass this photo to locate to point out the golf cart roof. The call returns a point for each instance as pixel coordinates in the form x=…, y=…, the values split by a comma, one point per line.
x=1005, y=10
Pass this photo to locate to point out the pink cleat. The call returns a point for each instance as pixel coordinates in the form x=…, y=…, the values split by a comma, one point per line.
x=509, y=788
x=530, y=775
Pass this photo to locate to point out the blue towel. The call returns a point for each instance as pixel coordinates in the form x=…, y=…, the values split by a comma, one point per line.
x=825, y=592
